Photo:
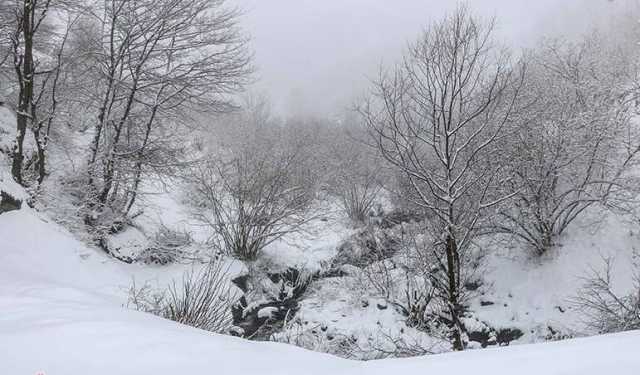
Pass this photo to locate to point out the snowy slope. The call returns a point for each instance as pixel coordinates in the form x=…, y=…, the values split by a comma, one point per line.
x=62, y=313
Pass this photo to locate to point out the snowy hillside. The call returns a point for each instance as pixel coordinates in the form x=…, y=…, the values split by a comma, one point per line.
x=62, y=313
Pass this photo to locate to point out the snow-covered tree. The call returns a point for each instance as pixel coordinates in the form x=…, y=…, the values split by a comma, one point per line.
x=152, y=64
x=438, y=118
x=32, y=59
x=572, y=146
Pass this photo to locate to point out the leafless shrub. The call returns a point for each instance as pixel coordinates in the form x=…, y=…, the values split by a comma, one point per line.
x=387, y=345
x=168, y=246
x=146, y=299
x=249, y=193
x=314, y=338
x=380, y=278
x=358, y=196
x=606, y=311
x=357, y=176
x=412, y=282
x=201, y=299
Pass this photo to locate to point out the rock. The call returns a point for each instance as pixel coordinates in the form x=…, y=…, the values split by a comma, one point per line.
x=483, y=337
x=9, y=203
x=382, y=305
x=242, y=282
x=236, y=331
x=267, y=312
x=473, y=285
x=504, y=336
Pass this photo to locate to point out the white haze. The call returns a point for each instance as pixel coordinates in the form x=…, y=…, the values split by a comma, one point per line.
x=314, y=56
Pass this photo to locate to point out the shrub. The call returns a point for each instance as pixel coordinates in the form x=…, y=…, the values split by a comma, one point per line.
x=168, y=246
x=250, y=199
x=202, y=299
x=606, y=311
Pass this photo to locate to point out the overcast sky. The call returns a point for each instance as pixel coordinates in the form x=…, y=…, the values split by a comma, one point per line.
x=314, y=56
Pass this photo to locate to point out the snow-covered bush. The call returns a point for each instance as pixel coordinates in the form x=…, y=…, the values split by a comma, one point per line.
x=168, y=246
x=414, y=282
x=368, y=245
x=202, y=299
x=318, y=338
x=146, y=298
x=573, y=143
x=606, y=310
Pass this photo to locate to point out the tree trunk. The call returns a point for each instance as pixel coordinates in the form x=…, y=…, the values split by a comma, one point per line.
x=41, y=159
x=454, y=304
x=17, y=153
x=25, y=74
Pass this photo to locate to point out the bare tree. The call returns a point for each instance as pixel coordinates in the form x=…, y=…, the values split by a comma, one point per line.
x=438, y=119
x=153, y=64
x=574, y=143
x=36, y=56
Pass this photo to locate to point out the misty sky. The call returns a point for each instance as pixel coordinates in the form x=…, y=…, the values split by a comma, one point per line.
x=315, y=56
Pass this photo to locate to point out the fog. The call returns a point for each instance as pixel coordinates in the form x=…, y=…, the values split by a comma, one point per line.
x=315, y=56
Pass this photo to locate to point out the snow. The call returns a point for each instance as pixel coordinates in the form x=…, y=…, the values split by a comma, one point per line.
x=63, y=314
x=267, y=312
x=591, y=356
x=535, y=293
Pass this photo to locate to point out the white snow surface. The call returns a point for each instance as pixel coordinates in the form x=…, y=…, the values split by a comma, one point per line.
x=62, y=313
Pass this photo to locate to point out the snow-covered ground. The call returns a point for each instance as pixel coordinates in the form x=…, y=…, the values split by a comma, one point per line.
x=62, y=313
